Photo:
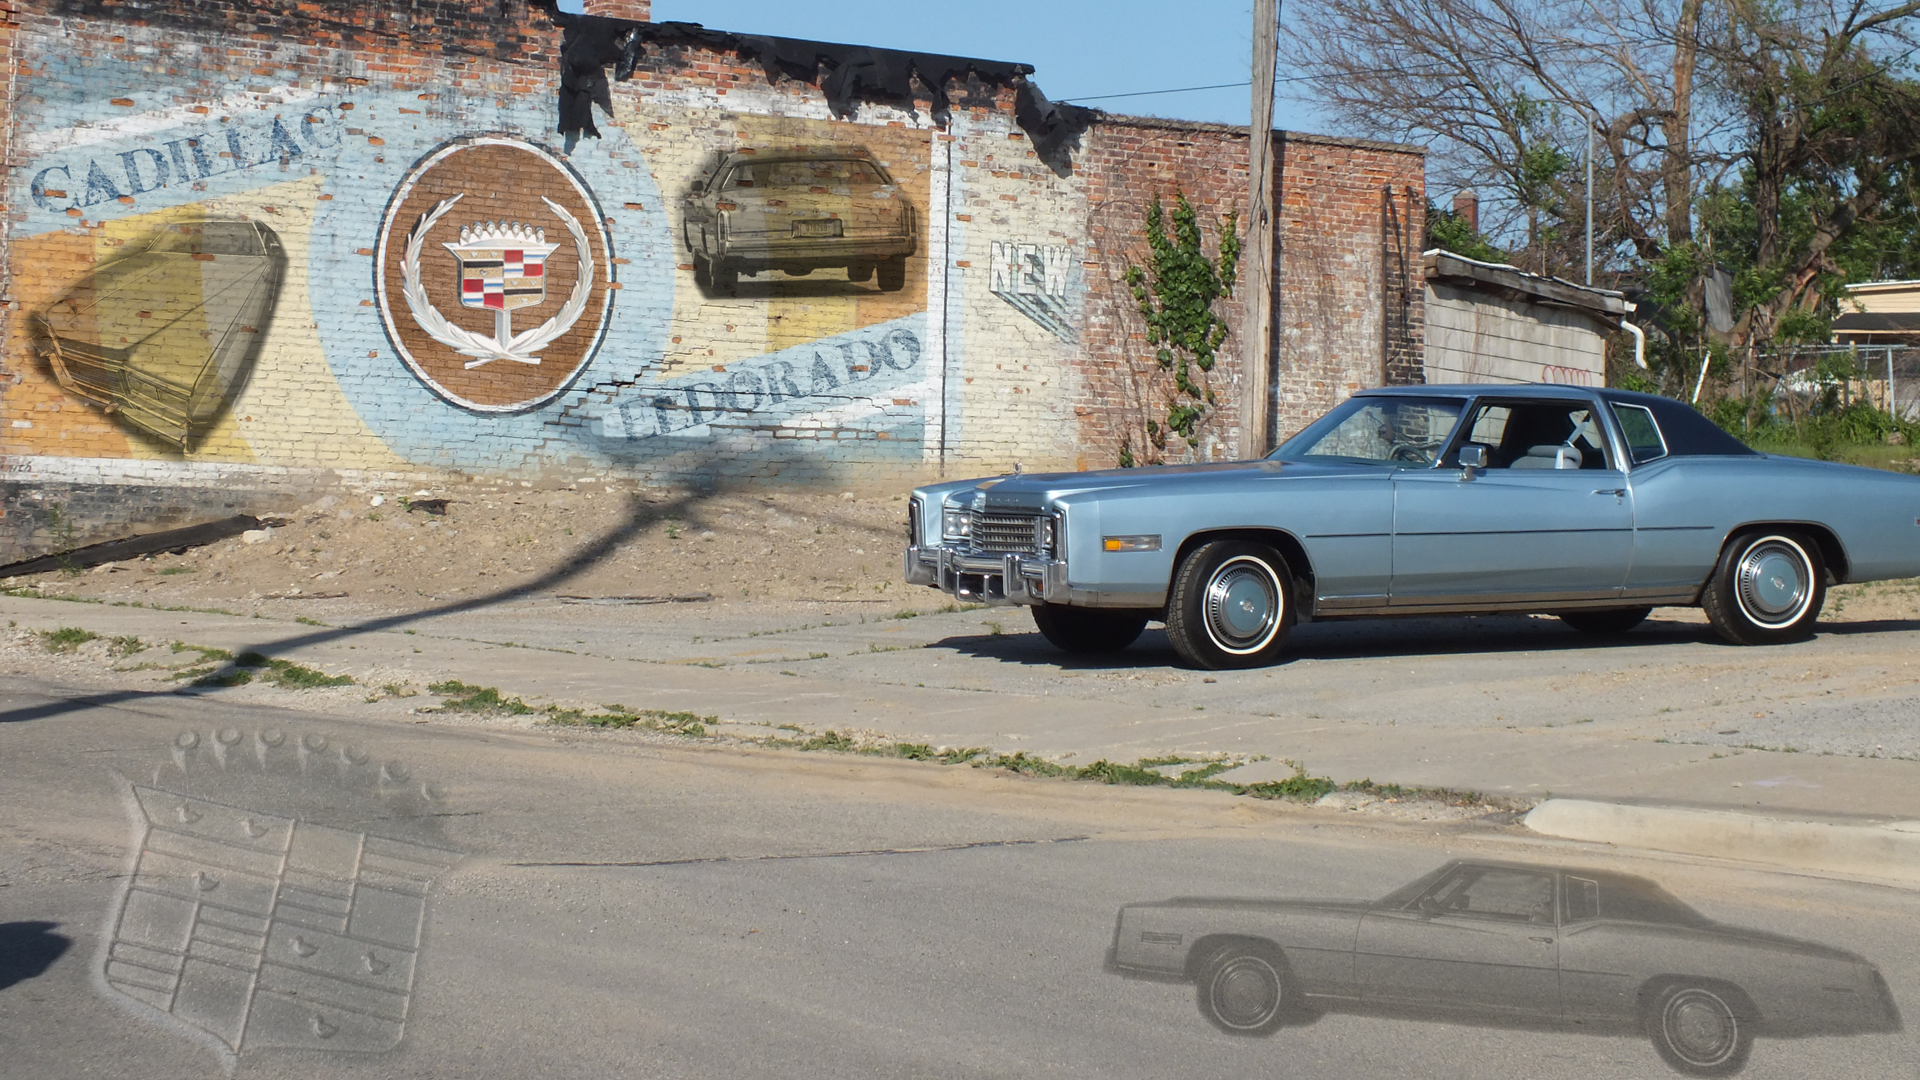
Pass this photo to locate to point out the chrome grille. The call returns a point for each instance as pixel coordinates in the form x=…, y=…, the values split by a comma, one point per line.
x=1015, y=533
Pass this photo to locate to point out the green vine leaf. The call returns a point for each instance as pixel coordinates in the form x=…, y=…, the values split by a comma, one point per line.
x=1175, y=293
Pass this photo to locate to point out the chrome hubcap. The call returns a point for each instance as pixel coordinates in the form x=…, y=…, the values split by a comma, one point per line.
x=1701, y=1027
x=1246, y=991
x=1774, y=581
x=1244, y=605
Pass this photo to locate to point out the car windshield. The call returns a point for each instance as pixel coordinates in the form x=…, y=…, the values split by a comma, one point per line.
x=209, y=238
x=1396, y=432
x=816, y=173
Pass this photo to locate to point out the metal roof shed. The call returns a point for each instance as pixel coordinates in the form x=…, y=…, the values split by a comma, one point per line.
x=1489, y=322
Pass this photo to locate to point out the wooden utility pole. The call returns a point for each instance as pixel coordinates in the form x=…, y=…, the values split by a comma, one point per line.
x=1257, y=332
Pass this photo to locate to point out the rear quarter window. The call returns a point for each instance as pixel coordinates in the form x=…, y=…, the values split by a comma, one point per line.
x=1644, y=441
x=1680, y=429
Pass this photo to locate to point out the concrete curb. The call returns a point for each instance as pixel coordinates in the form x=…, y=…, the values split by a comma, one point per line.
x=1889, y=852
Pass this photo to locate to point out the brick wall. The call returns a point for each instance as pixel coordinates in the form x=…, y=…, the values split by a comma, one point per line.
x=358, y=159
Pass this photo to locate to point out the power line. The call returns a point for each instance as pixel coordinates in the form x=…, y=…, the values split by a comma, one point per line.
x=1151, y=93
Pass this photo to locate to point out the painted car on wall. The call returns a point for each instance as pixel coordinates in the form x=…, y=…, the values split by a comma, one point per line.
x=798, y=212
x=1594, y=505
x=163, y=338
x=1499, y=943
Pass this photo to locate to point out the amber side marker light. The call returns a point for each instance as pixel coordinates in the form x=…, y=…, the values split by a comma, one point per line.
x=1131, y=543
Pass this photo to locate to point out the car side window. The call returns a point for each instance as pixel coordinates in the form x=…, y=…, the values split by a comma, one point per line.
x=1511, y=895
x=1644, y=441
x=1538, y=435
x=1581, y=900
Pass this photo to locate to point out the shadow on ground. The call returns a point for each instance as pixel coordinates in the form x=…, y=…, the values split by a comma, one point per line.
x=640, y=516
x=1361, y=639
x=28, y=949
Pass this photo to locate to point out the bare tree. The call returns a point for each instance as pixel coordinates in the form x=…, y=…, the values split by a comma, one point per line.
x=1503, y=90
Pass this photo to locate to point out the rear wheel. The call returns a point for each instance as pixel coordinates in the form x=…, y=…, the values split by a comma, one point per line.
x=1611, y=622
x=1085, y=631
x=1243, y=989
x=1700, y=1030
x=1767, y=590
x=860, y=272
x=1231, y=605
x=893, y=275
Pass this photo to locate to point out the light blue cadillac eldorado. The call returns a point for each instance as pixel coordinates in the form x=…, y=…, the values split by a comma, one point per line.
x=1594, y=505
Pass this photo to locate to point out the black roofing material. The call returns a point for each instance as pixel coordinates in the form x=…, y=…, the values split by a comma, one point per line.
x=1889, y=322
x=847, y=74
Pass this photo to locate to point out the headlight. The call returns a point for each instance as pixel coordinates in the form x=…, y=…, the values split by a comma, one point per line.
x=1049, y=535
x=956, y=523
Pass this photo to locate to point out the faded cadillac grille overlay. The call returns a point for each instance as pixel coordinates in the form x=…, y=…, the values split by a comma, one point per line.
x=266, y=931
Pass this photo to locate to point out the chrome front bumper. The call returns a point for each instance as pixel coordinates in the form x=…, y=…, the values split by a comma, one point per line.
x=989, y=579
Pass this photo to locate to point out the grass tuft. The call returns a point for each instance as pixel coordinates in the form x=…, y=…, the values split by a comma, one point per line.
x=463, y=697
x=66, y=639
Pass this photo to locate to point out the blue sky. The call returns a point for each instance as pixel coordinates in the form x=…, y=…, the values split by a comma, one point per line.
x=1082, y=49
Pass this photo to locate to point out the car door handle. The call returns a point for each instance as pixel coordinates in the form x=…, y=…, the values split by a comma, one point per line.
x=1617, y=492
x=1542, y=940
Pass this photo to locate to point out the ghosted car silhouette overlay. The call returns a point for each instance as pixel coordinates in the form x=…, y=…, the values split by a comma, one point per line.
x=1508, y=944
x=1594, y=505
x=798, y=212
x=163, y=338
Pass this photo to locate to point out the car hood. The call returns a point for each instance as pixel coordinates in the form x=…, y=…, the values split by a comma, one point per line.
x=1034, y=487
x=156, y=298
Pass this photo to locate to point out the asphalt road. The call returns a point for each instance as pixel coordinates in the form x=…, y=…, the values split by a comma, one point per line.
x=626, y=907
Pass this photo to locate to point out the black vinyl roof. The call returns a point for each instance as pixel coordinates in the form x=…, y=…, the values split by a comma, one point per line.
x=1688, y=434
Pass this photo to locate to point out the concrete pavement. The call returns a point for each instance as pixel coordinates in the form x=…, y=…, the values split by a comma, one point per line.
x=632, y=908
x=1512, y=707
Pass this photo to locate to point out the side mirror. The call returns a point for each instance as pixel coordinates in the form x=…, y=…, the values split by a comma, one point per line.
x=1472, y=456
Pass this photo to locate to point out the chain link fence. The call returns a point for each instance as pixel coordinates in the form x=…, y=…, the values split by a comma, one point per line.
x=1886, y=377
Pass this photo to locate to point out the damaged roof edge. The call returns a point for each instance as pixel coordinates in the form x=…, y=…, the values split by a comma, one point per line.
x=849, y=75
x=1126, y=120
x=1514, y=283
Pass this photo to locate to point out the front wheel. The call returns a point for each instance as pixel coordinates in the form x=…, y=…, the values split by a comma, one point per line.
x=1088, y=631
x=1699, y=1030
x=1609, y=622
x=1231, y=605
x=1767, y=590
x=1242, y=990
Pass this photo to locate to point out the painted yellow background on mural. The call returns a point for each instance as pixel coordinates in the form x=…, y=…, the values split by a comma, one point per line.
x=772, y=310
x=290, y=412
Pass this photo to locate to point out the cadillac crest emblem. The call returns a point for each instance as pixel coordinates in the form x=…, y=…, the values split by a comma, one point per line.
x=449, y=317
x=250, y=925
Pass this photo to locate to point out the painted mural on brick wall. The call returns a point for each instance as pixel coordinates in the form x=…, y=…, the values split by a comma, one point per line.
x=296, y=278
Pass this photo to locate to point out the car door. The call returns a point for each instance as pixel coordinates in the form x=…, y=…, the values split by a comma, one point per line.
x=1482, y=941
x=1549, y=519
x=1602, y=964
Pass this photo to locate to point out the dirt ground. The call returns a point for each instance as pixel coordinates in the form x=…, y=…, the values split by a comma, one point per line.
x=382, y=553
x=357, y=555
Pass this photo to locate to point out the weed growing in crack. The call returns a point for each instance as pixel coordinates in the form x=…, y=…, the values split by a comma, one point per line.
x=619, y=716
x=461, y=697
x=66, y=639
